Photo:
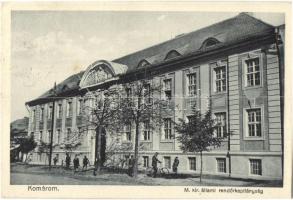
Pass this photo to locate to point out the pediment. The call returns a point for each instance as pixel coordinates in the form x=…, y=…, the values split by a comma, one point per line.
x=100, y=72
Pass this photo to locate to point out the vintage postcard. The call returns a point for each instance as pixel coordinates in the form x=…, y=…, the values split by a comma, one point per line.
x=146, y=100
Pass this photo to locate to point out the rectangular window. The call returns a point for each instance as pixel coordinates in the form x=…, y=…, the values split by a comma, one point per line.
x=146, y=130
x=220, y=79
x=192, y=163
x=59, y=111
x=41, y=135
x=49, y=135
x=50, y=112
x=128, y=132
x=147, y=94
x=255, y=167
x=254, y=122
x=69, y=109
x=33, y=115
x=79, y=107
x=167, y=129
x=68, y=134
x=145, y=161
x=168, y=89
x=252, y=72
x=42, y=114
x=167, y=162
x=191, y=84
x=128, y=93
x=221, y=127
x=58, y=134
x=221, y=165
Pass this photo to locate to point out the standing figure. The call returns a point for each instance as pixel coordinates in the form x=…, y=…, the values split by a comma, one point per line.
x=55, y=159
x=67, y=161
x=175, y=165
x=155, y=164
x=75, y=163
x=85, y=162
x=130, y=165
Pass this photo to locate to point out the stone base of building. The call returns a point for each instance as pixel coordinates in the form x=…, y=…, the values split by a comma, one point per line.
x=189, y=163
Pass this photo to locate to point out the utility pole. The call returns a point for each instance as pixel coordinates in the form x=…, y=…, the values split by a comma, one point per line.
x=52, y=127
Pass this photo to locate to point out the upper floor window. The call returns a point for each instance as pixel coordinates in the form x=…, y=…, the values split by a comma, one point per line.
x=191, y=84
x=58, y=135
x=221, y=124
x=69, y=109
x=254, y=122
x=42, y=114
x=128, y=132
x=49, y=135
x=128, y=92
x=147, y=93
x=220, y=79
x=41, y=135
x=68, y=133
x=33, y=115
x=146, y=130
x=59, y=110
x=252, y=72
x=167, y=129
x=79, y=107
x=168, y=89
x=50, y=112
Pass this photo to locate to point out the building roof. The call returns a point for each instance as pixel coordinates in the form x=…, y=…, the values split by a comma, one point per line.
x=235, y=29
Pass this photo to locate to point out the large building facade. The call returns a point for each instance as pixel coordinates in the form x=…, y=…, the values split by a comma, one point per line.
x=234, y=67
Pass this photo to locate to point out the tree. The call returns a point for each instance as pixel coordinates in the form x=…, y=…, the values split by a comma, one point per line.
x=139, y=106
x=198, y=134
x=101, y=113
x=27, y=144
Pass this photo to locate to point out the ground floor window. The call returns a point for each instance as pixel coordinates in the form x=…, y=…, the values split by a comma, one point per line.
x=255, y=166
x=192, y=163
x=167, y=162
x=145, y=161
x=221, y=165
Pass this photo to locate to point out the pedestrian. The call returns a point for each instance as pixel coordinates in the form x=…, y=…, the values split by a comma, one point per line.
x=155, y=164
x=130, y=165
x=75, y=163
x=85, y=162
x=67, y=161
x=55, y=159
x=175, y=165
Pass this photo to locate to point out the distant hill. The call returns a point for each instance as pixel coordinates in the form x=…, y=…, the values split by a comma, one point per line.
x=19, y=127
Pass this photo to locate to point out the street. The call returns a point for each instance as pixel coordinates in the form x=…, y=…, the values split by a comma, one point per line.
x=40, y=175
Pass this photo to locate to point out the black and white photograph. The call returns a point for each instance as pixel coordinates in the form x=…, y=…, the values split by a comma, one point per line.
x=147, y=98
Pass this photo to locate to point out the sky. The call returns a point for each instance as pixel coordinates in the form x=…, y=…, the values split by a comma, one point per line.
x=49, y=46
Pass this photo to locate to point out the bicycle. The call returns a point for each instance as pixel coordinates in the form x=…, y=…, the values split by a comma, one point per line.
x=161, y=171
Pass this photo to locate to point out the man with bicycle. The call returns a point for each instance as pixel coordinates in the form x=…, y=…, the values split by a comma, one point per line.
x=155, y=164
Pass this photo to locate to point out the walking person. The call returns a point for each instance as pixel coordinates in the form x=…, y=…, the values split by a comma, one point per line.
x=155, y=164
x=67, y=161
x=85, y=162
x=175, y=165
x=75, y=163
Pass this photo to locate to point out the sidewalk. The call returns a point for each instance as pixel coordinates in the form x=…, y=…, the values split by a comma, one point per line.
x=111, y=178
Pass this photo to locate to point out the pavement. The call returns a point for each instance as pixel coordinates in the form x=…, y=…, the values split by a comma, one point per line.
x=34, y=174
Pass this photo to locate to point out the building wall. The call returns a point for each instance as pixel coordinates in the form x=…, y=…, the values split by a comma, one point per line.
x=234, y=102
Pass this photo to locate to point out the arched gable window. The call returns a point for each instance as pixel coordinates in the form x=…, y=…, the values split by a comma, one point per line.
x=143, y=63
x=210, y=42
x=172, y=54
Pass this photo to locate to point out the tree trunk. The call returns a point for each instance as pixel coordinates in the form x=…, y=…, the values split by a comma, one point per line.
x=98, y=150
x=135, y=168
x=200, y=166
